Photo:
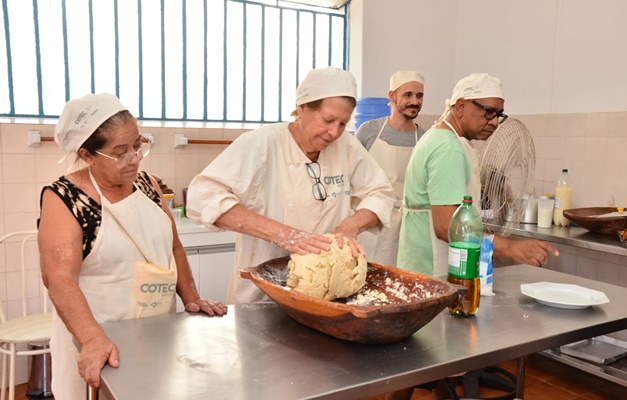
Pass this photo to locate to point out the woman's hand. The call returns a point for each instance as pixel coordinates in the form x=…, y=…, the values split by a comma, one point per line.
x=356, y=248
x=349, y=229
x=301, y=242
x=94, y=355
x=209, y=307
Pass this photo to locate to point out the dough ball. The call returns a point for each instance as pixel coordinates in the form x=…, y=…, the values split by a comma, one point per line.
x=329, y=275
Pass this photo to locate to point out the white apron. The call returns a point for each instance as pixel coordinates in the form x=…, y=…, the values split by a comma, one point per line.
x=383, y=248
x=116, y=279
x=473, y=188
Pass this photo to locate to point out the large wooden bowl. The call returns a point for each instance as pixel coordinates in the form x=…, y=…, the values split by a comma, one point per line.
x=413, y=300
x=589, y=219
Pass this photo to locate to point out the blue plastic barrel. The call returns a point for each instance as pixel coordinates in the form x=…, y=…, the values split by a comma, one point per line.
x=371, y=108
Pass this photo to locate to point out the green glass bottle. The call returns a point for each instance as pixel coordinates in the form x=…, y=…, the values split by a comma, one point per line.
x=465, y=233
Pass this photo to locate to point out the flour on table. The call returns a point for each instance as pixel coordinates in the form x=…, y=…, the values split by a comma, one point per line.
x=329, y=275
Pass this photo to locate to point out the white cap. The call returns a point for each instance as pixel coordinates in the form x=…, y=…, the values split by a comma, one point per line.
x=81, y=117
x=477, y=86
x=402, y=77
x=326, y=82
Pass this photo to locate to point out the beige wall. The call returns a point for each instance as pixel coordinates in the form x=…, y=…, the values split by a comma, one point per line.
x=553, y=56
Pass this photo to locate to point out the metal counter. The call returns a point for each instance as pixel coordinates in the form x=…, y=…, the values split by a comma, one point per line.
x=258, y=352
x=573, y=235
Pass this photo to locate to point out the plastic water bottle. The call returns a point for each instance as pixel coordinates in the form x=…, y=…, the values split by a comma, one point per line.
x=465, y=233
x=563, y=197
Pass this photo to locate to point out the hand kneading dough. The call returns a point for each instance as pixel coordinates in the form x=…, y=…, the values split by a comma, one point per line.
x=329, y=275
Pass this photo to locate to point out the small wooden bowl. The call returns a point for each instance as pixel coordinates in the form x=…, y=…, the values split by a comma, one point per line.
x=588, y=218
x=413, y=301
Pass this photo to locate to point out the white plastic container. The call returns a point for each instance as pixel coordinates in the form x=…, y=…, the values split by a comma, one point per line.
x=169, y=199
x=545, y=211
x=531, y=211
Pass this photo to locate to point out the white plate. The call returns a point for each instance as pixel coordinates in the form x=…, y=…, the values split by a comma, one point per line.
x=563, y=295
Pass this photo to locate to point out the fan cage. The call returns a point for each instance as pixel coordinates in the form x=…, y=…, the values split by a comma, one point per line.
x=507, y=166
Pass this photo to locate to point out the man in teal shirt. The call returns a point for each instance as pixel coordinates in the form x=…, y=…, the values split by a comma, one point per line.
x=442, y=169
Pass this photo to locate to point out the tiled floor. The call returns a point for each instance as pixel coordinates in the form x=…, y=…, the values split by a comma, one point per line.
x=20, y=393
x=545, y=379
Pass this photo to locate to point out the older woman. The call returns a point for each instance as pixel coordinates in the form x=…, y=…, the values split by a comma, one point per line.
x=105, y=235
x=284, y=185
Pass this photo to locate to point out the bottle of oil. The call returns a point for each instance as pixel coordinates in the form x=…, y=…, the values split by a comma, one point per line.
x=563, y=197
x=465, y=233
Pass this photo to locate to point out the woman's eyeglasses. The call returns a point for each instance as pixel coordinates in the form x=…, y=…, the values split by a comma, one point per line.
x=125, y=159
x=318, y=189
x=490, y=113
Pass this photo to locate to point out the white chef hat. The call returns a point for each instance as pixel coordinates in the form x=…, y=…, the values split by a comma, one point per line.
x=81, y=117
x=477, y=86
x=326, y=82
x=474, y=86
x=402, y=77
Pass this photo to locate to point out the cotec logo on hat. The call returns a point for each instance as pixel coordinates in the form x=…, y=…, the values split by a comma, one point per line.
x=80, y=117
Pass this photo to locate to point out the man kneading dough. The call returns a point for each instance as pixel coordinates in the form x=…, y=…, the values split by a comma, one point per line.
x=329, y=275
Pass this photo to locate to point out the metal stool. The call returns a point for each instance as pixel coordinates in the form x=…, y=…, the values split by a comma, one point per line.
x=39, y=382
x=493, y=377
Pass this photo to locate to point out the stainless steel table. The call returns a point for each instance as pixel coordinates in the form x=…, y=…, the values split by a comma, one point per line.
x=258, y=352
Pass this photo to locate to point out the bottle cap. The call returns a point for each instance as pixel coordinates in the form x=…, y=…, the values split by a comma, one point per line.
x=564, y=170
x=467, y=199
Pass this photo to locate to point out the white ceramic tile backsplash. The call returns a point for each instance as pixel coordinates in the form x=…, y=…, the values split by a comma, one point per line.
x=18, y=168
x=596, y=149
x=573, y=148
x=617, y=149
x=20, y=197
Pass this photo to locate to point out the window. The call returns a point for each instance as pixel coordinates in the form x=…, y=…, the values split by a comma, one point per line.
x=189, y=60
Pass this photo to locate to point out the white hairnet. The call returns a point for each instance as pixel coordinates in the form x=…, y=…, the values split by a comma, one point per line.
x=474, y=86
x=326, y=82
x=477, y=86
x=402, y=77
x=81, y=117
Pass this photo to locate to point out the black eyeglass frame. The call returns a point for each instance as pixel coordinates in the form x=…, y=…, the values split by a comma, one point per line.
x=490, y=113
x=317, y=186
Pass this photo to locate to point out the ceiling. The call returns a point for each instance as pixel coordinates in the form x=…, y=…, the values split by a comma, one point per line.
x=321, y=3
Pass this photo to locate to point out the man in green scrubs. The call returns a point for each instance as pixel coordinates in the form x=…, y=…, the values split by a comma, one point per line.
x=443, y=168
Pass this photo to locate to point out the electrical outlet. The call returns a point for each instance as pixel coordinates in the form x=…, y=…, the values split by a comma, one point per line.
x=180, y=141
x=34, y=138
x=149, y=136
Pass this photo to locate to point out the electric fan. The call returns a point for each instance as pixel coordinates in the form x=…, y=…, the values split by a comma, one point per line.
x=507, y=163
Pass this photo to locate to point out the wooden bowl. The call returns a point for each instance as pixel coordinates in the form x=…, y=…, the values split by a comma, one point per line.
x=588, y=218
x=413, y=300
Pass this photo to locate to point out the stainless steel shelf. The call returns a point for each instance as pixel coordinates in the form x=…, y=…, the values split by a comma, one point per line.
x=615, y=372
